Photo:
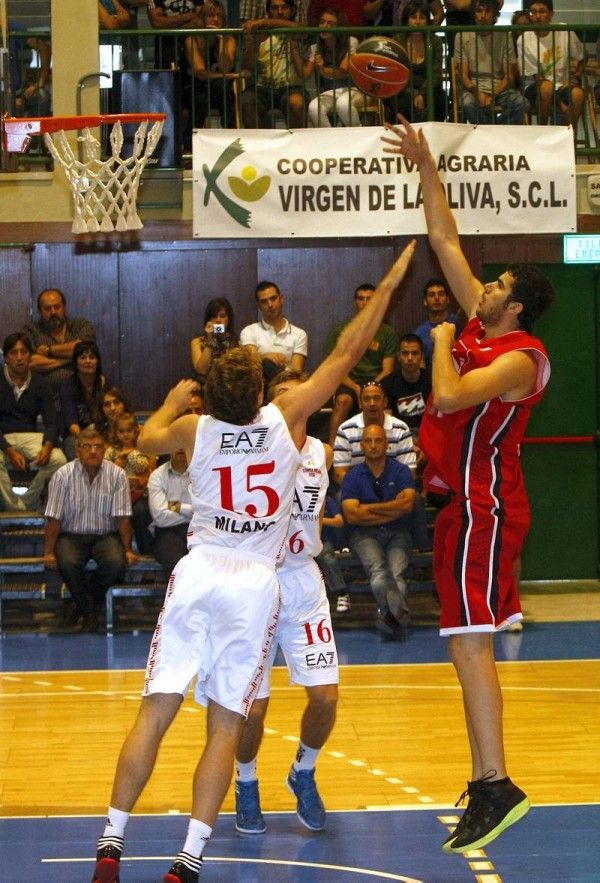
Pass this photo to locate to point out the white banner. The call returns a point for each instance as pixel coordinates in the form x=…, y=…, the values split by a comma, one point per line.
x=339, y=182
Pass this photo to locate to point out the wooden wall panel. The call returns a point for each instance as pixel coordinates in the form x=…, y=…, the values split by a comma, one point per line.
x=163, y=296
x=147, y=296
x=89, y=280
x=15, y=290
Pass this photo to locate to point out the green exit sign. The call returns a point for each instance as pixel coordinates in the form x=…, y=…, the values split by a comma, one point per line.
x=580, y=249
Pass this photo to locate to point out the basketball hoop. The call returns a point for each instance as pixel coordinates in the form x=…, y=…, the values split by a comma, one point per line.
x=104, y=191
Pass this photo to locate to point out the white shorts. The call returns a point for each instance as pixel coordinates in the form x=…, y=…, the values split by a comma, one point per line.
x=218, y=623
x=304, y=630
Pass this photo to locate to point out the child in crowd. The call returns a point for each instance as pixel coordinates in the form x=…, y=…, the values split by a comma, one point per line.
x=138, y=467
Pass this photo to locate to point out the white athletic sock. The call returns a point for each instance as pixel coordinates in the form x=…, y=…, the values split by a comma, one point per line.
x=246, y=772
x=115, y=823
x=198, y=835
x=306, y=758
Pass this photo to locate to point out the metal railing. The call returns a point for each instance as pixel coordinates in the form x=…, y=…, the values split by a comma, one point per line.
x=244, y=97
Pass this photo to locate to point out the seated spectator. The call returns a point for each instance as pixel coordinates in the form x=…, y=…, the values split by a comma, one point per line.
x=390, y=12
x=377, y=499
x=54, y=336
x=276, y=69
x=279, y=343
x=333, y=536
x=408, y=387
x=171, y=15
x=171, y=510
x=24, y=397
x=437, y=303
x=457, y=13
x=212, y=344
x=328, y=58
x=88, y=515
x=81, y=395
x=545, y=59
x=114, y=403
x=486, y=63
x=352, y=10
x=377, y=362
x=137, y=467
x=412, y=102
x=519, y=17
x=113, y=16
x=211, y=69
x=348, y=448
x=30, y=82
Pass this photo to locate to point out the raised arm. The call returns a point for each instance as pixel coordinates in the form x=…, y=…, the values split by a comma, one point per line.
x=299, y=402
x=165, y=431
x=441, y=226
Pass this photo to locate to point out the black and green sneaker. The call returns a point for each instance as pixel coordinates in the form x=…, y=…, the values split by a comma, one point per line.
x=471, y=791
x=493, y=807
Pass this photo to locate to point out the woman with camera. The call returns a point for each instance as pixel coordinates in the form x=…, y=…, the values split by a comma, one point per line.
x=218, y=337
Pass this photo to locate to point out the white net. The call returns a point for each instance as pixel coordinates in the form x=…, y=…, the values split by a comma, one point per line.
x=105, y=191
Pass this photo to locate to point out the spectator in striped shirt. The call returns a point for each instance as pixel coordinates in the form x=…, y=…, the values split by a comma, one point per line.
x=88, y=515
x=347, y=449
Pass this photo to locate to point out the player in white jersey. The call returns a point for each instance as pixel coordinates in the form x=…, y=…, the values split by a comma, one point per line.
x=222, y=597
x=305, y=635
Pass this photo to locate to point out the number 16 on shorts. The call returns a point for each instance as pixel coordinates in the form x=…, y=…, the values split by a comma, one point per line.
x=321, y=652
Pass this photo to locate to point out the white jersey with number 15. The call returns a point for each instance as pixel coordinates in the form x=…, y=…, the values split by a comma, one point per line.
x=242, y=481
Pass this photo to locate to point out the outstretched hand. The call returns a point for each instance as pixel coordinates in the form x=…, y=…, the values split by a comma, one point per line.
x=179, y=397
x=407, y=141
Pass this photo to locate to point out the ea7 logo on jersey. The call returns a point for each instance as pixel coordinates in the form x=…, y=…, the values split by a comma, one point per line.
x=248, y=440
x=307, y=500
x=321, y=659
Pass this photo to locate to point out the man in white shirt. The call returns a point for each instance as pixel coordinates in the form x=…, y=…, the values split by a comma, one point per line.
x=171, y=509
x=279, y=343
x=545, y=59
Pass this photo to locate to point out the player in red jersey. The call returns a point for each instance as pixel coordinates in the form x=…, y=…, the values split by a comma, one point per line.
x=483, y=387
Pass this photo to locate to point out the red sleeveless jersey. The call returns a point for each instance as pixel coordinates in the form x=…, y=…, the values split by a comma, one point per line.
x=475, y=452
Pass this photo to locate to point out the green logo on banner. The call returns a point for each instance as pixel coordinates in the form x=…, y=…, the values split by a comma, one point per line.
x=247, y=188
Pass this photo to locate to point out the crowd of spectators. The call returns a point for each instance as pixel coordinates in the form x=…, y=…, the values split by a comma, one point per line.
x=276, y=73
x=61, y=420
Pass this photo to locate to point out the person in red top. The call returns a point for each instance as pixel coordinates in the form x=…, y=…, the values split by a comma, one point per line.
x=483, y=388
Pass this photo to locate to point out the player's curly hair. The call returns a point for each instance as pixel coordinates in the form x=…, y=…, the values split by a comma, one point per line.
x=233, y=387
x=532, y=290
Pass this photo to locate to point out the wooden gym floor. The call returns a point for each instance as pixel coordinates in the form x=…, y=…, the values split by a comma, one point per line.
x=389, y=775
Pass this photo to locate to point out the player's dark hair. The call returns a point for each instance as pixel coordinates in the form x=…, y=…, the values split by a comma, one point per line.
x=416, y=6
x=47, y=291
x=263, y=285
x=532, y=290
x=233, y=386
x=13, y=339
x=284, y=377
x=548, y=3
x=488, y=4
x=410, y=338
